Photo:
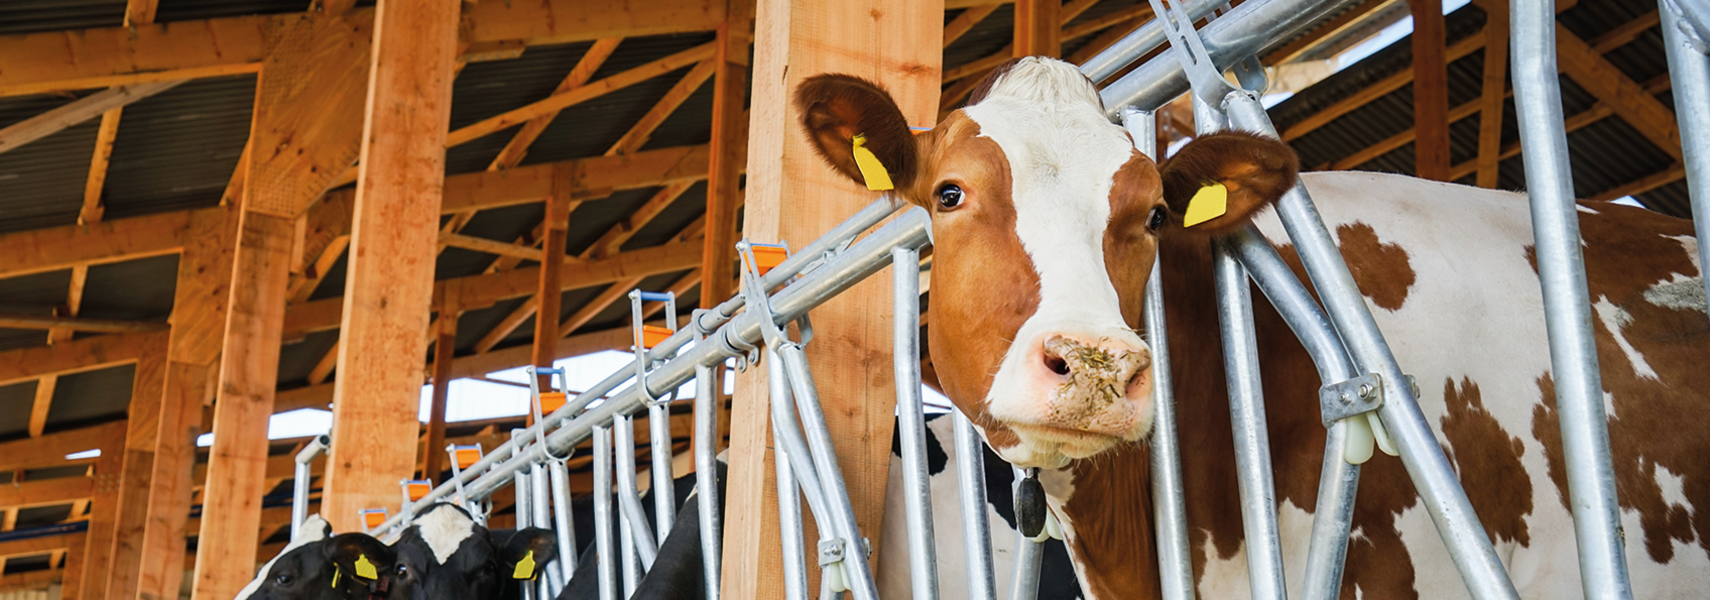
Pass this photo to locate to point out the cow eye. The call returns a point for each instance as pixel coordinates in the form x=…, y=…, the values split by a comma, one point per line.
x=949, y=196
x=1156, y=220
x=283, y=579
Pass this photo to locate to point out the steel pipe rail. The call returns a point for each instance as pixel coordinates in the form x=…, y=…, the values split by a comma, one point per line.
x=976, y=530
x=1689, y=72
x=1229, y=38
x=606, y=577
x=1135, y=45
x=787, y=454
x=911, y=422
x=301, y=477
x=706, y=477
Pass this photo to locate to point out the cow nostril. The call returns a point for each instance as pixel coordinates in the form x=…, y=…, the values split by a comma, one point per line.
x=1056, y=364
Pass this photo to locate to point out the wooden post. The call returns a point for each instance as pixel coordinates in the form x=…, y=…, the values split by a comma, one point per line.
x=792, y=195
x=728, y=153
x=551, y=294
x=444, y=350
x=1430, y=91
x=249, y=373
x=1492, y=99
x=1038, y=31
x=392, y=246
x=142, y=425
x=103, y=518
x=72, y=576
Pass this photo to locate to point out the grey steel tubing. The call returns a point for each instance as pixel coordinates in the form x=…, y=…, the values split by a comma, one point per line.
x=525, y=518
x=911, y=423
x=1432, y=476
x=1338, y=481
x=787, y=435
x=1247, y=417
x=1029, y=555
x=1567, y=302
x=607, y=578
x=976, y=529
x=1135, y=45
x=1689, y=72
x=563, y=523
x=664, y=489
x=629, y=500
x=706, y=477
x=553, y=580
x=790, y=533
x=858, y=573
x=1241, y=32
x=867, y=217
x=301, y=479
x=862, y=259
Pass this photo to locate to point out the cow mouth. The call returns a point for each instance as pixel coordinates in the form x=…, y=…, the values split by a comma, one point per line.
x=1054, y=446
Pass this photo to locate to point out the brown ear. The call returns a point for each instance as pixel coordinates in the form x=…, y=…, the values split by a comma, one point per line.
x=1257, y=170
x=836, y=108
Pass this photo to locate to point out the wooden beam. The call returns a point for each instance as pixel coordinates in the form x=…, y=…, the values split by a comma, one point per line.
x=17, y=321
x=103, y=519
x=140, y=12
x=168, y=501
x=41, y=250
x=49, y=450
x=560, y=101
x=584, y=70
x=1430, y=91
x=549, y=297
x=1577, y=121
x=1607, y=83
x=966, y=21
x=76, y=112
x=617, y=291
x=39, y=410
x=1037, y=32
x=44, y=492
x=1644, y=184
x=1625, y=33
x=898, y=42
x=590, y=178
x=611, y=242
x=489, y=246
x=142, y=425
x=104, y=137
x=37, y=545
x=1329, y=29
x=728, y=155
x=444, y=351
x=390, y=295
x=74, y=356
x=1492, y=98
x=248, y=374
x=1381, y=88
x=642, y=130
x=109, y=56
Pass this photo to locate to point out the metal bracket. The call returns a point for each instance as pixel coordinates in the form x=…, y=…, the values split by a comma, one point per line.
x=1207, y=80
x=1251, y=73
x=1345, y=399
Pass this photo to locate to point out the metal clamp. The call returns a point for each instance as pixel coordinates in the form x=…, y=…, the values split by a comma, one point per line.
x=1207, y=80
x=643, y=356
x=1345, y=399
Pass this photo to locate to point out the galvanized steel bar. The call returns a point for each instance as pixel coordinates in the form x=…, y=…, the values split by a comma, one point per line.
x=630, y=509
x=564, y=525
x=1029, y=554
x=605, y=560
x=301, y=479
x=552, y=581
x=786, y=455
x=1247, y=416
x=525, y=514
x=1135, y=45
x=976, y=530
x=706, y=477
x=1567, y=303
x=911, y=423
x=1689, y=72
x=664, y=488
x=1432, y=476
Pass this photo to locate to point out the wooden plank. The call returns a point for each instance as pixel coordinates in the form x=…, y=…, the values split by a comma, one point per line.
x=1644, y=184
x=584, y=70
x=898, y=43
x=103, y=519
x=1492, y=98
x=42, y=405
x=590, y=178
x=1377, y=90
x=1607, y=83
x=617, y=291
x=49, y=450
x=444, y=352
x=1430, y=91
x=549, y=297
x=1037, y=32
x=36, y=545
x=55, y=248
x=326, y=234
x=387, y=305
x=1577, y=121
x=74, y=356
x=729, y=152
x=17, y=321
x=560, y=101
x=248, y=372
x=966, y=21
x=1625, y=33
x=142, y=431
x=307, y=125
x=563, y=21
x=612, y=241
x=45, y=492
x=109, y=131
x=71, y=588
x=642, y=130
x=140, y=12
x=77, y=111
x=488, y=246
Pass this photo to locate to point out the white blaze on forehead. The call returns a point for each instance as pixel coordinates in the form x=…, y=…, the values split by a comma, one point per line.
x=314, y=529
x=444, y=528
x=1063, y=156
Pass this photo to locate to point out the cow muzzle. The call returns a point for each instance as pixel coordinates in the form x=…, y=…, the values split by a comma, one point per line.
x=1078, y=397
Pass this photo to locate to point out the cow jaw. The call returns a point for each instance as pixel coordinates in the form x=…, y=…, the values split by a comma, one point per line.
x=1075, y=380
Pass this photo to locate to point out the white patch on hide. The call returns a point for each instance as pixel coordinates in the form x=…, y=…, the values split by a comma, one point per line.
x=1615, y=319
x=444, y=528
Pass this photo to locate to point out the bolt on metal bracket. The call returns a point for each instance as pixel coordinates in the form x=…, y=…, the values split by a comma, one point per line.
x=1345, y=399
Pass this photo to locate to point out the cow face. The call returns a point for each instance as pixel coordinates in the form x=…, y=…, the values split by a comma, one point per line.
x=351, y=566
x=446, y=554
x=1045, y=223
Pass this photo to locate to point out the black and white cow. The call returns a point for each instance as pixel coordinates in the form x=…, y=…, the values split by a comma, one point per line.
x=446, y=555
x=320, y=566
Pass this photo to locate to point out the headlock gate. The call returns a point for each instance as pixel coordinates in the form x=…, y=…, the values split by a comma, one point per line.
x=1366, y=397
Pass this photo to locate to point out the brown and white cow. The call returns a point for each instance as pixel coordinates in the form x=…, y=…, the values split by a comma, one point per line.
x=1046, y=222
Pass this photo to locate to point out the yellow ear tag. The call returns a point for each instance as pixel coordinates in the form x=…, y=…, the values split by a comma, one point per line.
x=365, y=569
x=335, y=573
x=878, y=179
x=525, y=567
x=1208, y=203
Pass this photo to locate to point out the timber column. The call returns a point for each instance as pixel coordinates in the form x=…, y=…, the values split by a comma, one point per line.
x=793, y=196
x=393, y=243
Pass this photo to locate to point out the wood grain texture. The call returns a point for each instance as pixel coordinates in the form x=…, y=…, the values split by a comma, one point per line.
x=143, y=430
x=392, y=249
x=1430, y=91
x=1491, y=98
x=307, y=126
x=793, y=196
x=1037, y=32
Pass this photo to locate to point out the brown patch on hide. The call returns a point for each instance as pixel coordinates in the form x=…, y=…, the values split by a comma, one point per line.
x=1382, y=271
x=1487, y=460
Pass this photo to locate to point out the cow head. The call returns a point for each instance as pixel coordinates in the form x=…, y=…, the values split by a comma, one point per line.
x=1045, y=223
x=351, y=566
x=446, y=554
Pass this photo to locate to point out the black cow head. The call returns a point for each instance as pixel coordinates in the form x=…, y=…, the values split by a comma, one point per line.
x=446, y=554
x=351, y=566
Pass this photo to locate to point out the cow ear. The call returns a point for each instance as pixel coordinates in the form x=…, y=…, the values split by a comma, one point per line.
x=528, y=552
x=1217, y=182
x=359, y=555
x=859, y=130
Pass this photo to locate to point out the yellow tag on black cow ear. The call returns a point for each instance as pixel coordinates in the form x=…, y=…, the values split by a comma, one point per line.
x=365, y=569
x=1210, y=202
x=525, y=567
x=878, y=179
x=335, y=573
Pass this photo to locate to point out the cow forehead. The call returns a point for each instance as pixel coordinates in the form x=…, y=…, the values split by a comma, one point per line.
x=444, y=528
